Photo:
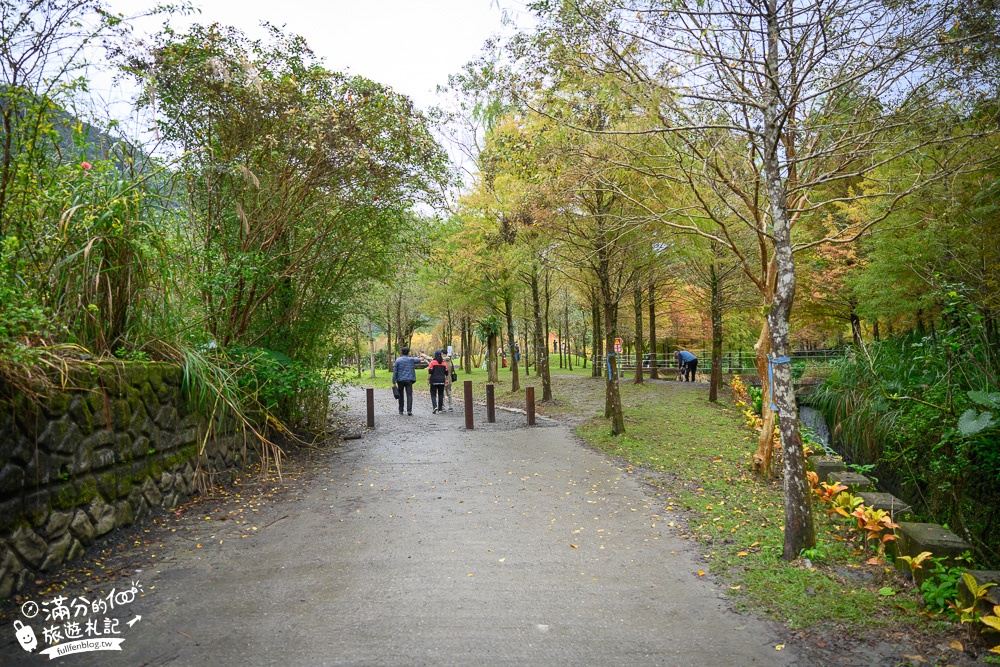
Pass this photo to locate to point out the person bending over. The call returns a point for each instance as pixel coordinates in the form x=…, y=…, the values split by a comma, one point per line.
x=687, y=363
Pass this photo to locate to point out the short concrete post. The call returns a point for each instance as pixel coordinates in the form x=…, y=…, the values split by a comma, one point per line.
x=468, y=405
x=529, y=398
x=370, y=398
x=491, y=410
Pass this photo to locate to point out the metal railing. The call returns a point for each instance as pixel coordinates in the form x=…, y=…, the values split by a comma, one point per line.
x=742, y=362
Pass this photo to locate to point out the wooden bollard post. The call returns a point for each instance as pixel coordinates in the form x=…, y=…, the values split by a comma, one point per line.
x=530, y=404
x=491, y=410
x=370, y=397
x=468, y=405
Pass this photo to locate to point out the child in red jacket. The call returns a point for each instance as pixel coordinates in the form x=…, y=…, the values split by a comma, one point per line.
x=437, y=375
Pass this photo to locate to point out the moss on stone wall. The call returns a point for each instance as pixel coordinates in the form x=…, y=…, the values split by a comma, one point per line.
x=118, y=443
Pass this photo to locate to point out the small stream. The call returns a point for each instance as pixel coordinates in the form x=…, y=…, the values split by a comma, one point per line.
x=813, y=419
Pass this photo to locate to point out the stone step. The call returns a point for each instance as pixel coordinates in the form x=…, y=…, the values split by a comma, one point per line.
x=886, y=501
x=854, y=482
x=824, y=465
x=915, y=538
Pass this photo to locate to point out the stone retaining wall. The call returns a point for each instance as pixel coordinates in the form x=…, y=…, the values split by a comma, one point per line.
x=98, y=457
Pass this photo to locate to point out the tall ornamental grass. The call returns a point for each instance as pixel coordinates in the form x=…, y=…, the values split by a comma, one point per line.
x=921, y=408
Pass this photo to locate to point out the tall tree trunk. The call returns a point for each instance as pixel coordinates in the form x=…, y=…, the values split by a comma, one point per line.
x=7, y=162
x=762, y=348
x=357, y=346
x=371, y=349
x=595, y=318
x=390, y=355
x=855, y=328
x=799, y=532
x=461, y=342
x=467, y=344
x=527, y=344
x=716, y=283
x=609, y=303
x=569, y=337
x=449, y=330
x=492, y=375
x=653, y=375
x=401, y=334
x=559, y=337
x=546, y=377
x=637, y=304
x=613, y=400
x=540, y=342
x=541, y=338
x=875, y=332
x=508, y=305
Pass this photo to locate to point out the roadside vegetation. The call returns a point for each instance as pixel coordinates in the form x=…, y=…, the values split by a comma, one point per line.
x=231, y=230
x=696, y=455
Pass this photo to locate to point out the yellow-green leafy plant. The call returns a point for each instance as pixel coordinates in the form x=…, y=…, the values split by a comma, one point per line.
x=970, y=614
x=914, y=563
x=993, y=623
x=844, y=504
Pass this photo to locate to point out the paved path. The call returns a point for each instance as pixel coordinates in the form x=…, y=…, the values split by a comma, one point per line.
x=426, y=544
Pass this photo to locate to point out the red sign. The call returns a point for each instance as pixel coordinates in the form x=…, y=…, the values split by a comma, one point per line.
x=618, y=345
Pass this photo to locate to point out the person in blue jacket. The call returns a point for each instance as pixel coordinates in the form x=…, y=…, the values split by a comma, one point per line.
x=687, y=363
x=404, y=374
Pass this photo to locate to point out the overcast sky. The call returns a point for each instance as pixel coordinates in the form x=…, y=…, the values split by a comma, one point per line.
x=411, y=45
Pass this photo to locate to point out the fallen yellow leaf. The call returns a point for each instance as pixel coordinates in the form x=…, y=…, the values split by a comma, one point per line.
x=735, y=588
x=915, y=658
x=574, y=546
x=957, y=645
x=743, y=553
x=701, y=573
x=779, y=647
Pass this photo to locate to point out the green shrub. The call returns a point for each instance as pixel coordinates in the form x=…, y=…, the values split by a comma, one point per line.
x=940, y=588
x=756, y=398
x=21, y=315
x=278, y=385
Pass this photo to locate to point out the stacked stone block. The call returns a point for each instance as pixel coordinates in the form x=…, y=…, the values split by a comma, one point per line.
x=97, y=457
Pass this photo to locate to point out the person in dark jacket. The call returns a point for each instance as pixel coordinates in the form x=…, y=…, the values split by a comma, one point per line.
x=437, y=375
x=688, y=363
x=404, y=374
